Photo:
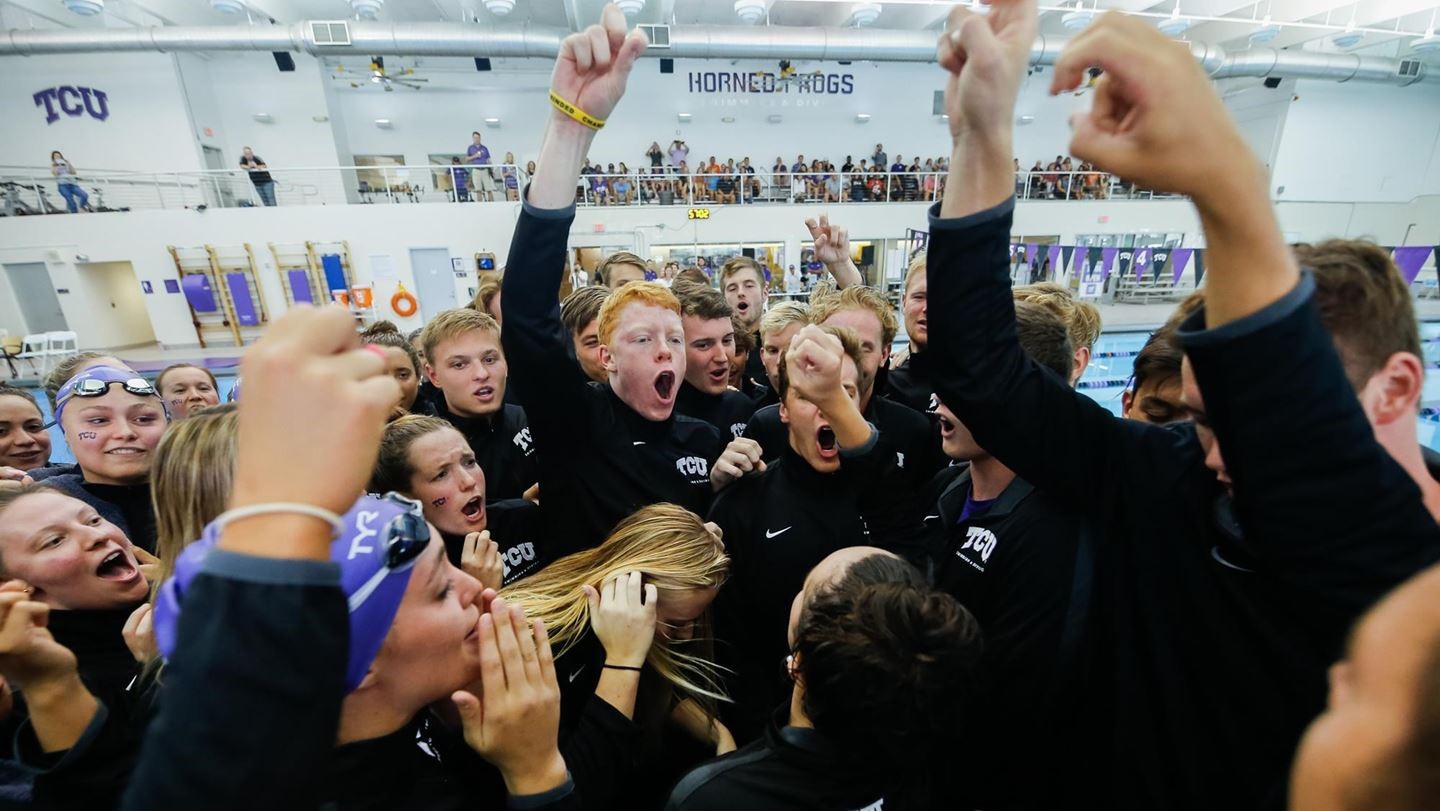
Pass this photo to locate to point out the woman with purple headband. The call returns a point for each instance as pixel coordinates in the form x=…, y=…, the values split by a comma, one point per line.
x=112, y=420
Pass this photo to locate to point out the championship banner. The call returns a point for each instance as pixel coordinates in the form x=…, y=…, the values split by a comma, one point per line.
x=1179, y=257
x=1410, y=260
x=1142, y=261
x=1107, y=261
x=1124, y=261
x=1159, y=258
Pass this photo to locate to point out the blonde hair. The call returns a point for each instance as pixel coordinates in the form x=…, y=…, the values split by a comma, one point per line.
x=736, y=265
x=618, y=258
x=485, y=293
x=783, y=315
x=1082, y=319
x=650, y=294
x=454, y=323
x=190, y=479
x=672, y=549
x=858, y=297
x=916, y=269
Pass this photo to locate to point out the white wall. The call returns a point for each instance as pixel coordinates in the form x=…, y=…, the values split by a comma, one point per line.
x=117, y=306
x=898, y=97
x=391, y=230
x=1260, y=113
x=146, y=130
x=1360, y=142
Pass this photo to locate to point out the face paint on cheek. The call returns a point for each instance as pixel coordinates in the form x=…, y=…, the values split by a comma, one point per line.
x=439, y=502
x=88, y=435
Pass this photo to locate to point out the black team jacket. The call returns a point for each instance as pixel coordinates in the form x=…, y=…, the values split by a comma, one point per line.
x=599, y=460
x=728, y=411
x=789, y=769
x=909, y=385
x=778, y=525
x=1211, y=652
x=914, y=435
x=502, y=447
x=1025, y=567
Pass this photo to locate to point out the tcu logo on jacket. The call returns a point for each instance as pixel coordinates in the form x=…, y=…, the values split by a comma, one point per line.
x=981, y=540
x=523, y=441
x=692, y=466
x=72, y=102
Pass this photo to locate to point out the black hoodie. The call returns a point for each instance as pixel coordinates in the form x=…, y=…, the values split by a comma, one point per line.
x=600, y=461
x=1207, y=669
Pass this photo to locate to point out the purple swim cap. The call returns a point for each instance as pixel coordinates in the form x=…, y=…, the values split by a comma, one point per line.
x=376, y=553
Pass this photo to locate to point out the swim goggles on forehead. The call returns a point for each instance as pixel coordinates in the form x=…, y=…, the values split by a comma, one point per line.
x=96, y=382
x=402, y=538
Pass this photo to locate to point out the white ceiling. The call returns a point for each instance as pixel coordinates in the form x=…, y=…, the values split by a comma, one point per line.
x=1400, y=21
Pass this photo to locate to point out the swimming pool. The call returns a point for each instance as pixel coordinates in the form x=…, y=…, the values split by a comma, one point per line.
x=1113, y=361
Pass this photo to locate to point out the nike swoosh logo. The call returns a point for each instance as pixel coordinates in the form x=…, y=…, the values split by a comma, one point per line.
x=576, y=674
x=1215, y=553
x=639, y=443
x=929, y=517
x=769, y=534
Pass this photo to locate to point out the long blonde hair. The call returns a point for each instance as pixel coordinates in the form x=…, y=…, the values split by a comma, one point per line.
x=190, y=479
x=671, y=547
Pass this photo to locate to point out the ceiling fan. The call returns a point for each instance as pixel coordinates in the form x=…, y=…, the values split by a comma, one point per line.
x=404, y=77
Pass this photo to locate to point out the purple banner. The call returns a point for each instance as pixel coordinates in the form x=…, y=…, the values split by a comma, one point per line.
x=300, y=290
x=1032, y=255
x=1410, y=260
x=239, y=286
x=1054, y=262
x=1179, y=258
x=1107, y=262
x=1142, y=261
x=198, y=293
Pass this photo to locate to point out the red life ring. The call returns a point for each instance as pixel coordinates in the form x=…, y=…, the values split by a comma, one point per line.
x=404, y=304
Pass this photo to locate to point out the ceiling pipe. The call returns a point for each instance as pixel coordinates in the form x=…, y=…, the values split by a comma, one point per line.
x=686, y=42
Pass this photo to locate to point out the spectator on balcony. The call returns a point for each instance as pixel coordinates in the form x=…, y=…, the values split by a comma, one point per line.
x=712, y=178
x=780, y=176
x=75, y=197
x=679, y=153
x=815, y=181
x=834, y=186
x=458, y=175
x=876, y=183
x=512, y=179
x=1067, y=178
x=879, y=160
x=251, y=163
x=857, y=183
x=656, y=156
x=849, y=165
x=798, y=183
x=929, y=182
x=910, y=181
x=477, y=156
x=724, y=187
x=622, y=187
x=750, y=181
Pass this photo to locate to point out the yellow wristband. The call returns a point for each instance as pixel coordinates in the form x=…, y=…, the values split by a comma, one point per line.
x=575, y=112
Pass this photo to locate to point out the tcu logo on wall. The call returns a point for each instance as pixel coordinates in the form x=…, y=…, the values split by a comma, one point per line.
x=73, y=101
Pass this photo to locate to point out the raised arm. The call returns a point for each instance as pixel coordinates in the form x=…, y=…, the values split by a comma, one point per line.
x=589, y=79
x=832, y=248
x=1054, y=437
x=1259, y=347
x=258, y=672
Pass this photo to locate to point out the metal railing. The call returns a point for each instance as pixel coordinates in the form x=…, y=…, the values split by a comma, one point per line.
x=33, y=190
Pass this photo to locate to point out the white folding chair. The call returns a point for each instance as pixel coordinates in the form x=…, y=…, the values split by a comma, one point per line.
x=62, y=345
x=33, y=347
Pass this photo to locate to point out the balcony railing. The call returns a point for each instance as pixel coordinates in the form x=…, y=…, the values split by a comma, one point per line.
x=32, y=190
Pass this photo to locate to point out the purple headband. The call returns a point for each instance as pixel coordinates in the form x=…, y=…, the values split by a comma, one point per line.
x=373, y=591
x=107, y=375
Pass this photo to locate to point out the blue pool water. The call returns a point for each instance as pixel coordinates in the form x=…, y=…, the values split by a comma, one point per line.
x=1113, y=360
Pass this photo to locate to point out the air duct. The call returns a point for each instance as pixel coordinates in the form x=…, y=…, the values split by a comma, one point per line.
x=686, y=42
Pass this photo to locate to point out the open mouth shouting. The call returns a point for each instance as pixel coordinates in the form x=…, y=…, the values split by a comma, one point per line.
x=485, y=394
x=665, y=385
x=825, y=441
x=947, y=426
x=742, y=307
x=720, y=378
x=119, y=567
x=474, y=510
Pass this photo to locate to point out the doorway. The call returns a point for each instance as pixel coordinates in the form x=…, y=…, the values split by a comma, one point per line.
x=116, y=293
x=35, y=293
x=434, y=280
x=218, y=190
